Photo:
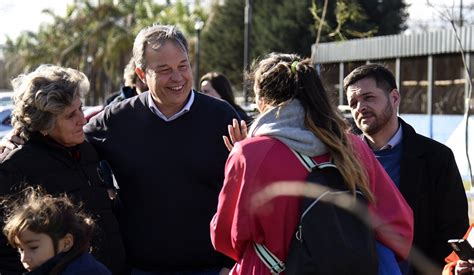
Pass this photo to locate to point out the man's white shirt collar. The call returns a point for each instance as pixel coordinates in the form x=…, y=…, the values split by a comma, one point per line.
x=154, y=109
x=393, y=141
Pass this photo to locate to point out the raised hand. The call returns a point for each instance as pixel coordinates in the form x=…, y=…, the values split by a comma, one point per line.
x=464, y=267
x=236, y=133
x=10, y=141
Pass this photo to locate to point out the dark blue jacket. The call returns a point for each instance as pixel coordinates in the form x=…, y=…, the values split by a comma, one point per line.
x=83, y=265
x=41, y=161
x=431, y=184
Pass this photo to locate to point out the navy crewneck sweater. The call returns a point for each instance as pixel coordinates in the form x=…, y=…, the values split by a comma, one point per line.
x=170, y=175
x=390, y=160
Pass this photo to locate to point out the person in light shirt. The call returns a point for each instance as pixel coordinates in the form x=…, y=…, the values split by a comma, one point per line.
x=165, y=148
x=424, y=170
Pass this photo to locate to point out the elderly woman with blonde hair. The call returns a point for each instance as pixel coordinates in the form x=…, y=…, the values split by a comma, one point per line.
x=48, y=116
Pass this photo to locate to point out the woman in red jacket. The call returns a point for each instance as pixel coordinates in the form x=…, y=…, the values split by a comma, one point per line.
x=296, y=114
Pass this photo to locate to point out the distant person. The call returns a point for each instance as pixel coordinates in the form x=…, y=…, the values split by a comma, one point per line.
x=296, y=115
x=165, y=148
x=424, y=170
x=133, y=85
x=48, y=116
x=217, y=85
x=51, y=234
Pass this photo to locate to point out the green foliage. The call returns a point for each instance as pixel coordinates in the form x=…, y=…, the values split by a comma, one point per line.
x=290, y=26
x=95, y=37
x=278, y=25
x=289, y=30
x=346, y=12
x=222, y=41
x=389, y=16
x=348, y=19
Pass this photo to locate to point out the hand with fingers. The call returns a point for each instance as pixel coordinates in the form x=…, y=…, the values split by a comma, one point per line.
x=236, y=133
x=11, y=141
x=464, y=267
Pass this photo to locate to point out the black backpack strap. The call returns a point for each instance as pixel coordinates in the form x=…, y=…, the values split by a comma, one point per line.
x=271, y=261
x=275, y=265
x=309, y=163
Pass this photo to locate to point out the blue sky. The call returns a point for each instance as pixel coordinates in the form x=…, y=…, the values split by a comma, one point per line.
x=20, y=15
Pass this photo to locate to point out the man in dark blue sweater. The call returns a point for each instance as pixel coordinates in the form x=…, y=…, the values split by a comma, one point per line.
x=424, y=170
x=165, y=148
x=133, y=85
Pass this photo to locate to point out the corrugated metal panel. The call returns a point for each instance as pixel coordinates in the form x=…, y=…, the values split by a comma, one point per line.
x=392, y=46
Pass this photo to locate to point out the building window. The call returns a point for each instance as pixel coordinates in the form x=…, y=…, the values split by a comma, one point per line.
x=348, y=68
x=413, y=85
x=388, y=63
x=448, y=84
x=329, y=74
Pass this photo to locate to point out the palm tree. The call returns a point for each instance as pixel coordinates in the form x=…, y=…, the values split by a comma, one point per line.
x=95, y=37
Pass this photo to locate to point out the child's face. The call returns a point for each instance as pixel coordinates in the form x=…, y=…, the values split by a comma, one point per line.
x=35, y=248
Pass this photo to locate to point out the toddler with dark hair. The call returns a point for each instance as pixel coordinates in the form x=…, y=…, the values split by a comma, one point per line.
x=51, y=234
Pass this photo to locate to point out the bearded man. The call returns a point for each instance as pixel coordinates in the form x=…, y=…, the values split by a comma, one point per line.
x=424, y=170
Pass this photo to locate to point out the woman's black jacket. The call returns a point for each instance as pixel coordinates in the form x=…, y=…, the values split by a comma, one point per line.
x=74, y=171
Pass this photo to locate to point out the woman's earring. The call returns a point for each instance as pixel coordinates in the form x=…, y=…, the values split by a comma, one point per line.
x=44, y=133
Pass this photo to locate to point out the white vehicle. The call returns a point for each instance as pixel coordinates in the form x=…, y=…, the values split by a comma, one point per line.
x=5, y=120
x=6, y=99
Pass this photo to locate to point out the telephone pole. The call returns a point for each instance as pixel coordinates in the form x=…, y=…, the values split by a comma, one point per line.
x=247, y=38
